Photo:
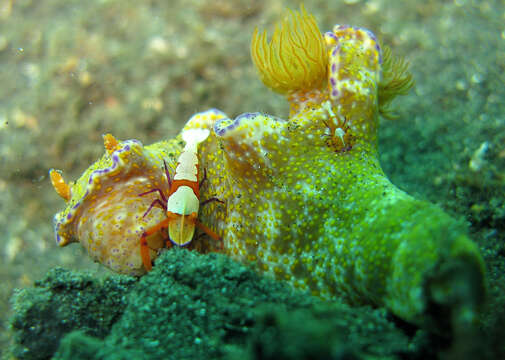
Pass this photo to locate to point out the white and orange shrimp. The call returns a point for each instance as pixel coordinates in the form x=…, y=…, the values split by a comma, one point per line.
x=183, y=200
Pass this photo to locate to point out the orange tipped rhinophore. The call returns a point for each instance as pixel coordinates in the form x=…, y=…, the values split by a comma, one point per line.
x=110, y=143
x=295, y=62
x=59, y=184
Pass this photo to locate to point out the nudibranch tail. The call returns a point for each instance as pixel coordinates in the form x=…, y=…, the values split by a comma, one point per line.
x=61, y=188
x=295, y=60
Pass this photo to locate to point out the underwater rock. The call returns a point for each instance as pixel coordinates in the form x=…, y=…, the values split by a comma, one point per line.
x=196, y=306
x=61, y=302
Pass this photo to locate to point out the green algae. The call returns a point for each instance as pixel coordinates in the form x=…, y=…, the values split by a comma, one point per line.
x=63, y=301
x=197, y=306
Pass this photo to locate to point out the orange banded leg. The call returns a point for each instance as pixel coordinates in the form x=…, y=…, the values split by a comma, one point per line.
x=207, y=230
x=193, y=218
x=211, y=233
x=144, y=248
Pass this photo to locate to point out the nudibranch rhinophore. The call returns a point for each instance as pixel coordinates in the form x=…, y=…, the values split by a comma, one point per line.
x=305, y=198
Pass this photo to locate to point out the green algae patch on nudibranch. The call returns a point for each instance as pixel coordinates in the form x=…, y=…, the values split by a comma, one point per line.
x=305, y=199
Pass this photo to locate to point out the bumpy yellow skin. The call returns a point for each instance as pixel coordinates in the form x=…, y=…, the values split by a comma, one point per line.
x=305, y=200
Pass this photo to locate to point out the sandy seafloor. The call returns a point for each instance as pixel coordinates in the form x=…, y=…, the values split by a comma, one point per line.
x=73, y=70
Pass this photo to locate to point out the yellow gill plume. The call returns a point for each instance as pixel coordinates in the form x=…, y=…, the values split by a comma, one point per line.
x=295, y=60
x=396, y=80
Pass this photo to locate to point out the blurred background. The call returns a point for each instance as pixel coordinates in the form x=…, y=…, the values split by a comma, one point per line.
x=73, y=70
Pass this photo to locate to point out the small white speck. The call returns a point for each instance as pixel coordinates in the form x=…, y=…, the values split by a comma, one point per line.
x=478, y=158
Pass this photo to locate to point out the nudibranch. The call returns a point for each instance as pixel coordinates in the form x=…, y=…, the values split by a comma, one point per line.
x=303, y=198
x=306, y=198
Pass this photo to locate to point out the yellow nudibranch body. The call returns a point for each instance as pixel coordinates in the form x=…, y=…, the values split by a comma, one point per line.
x=303, y=198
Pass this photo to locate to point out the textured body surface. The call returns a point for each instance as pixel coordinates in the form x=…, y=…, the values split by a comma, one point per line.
x=329, y=223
